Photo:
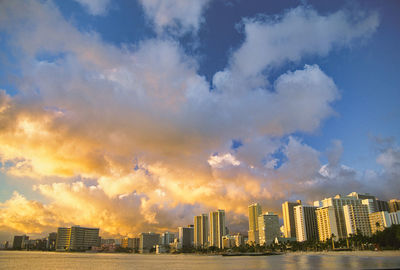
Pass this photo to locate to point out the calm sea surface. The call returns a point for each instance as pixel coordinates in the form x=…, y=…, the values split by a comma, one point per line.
x=51, y=260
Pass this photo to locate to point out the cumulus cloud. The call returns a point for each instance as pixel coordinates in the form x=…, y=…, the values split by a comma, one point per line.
x=177, y=16
x=271, y=41
x=149, y=133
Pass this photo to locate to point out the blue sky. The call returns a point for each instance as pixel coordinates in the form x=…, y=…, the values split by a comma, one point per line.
x=175, y=108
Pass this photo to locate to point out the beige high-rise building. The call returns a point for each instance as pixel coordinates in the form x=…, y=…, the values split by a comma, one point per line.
x=201, y=231
x=326, y=221
x=254, y=212
x=337, y=203
x=288, y=218
x=357, y=219
x=77, y=238
x=379, y=221
x=305, y=221
x=394, y=205
x=217, y=228
x=268, y=228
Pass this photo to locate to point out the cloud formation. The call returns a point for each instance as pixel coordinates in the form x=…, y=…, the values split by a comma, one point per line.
x=95, y=7
x=147, y=138
x=177, y=16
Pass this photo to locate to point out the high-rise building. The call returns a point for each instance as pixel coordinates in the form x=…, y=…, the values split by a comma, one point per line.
x=371, y=204
x=217, y=228
x=382, y=206
x=379, y=221
x=337, y=203
x=239, y=239
x=288, y=218
x=254, y=212
x=201, y=230
x=305, y=221
x=132, y=243
x=326, y=220
x=228, y=241
x=148, y=241
x=77, y=238
x=394, y=217
x=394, y=205
x=51, y=241
x=268, y=228
x=357, y=219
x=185, y=236
x=19, y=241
x=167, y=238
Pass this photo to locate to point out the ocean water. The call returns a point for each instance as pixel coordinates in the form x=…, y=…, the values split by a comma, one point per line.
x=296, y=261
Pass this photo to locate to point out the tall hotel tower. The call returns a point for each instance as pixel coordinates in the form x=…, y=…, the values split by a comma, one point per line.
x=217, y=228
x=254, y=213
x=201, y=231
x=288, y=218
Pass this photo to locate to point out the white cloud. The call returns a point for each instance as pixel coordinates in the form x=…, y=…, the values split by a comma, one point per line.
x=177, y=16
x=272, y=41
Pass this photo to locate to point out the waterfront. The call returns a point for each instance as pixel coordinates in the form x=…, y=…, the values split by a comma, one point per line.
x=298, y=261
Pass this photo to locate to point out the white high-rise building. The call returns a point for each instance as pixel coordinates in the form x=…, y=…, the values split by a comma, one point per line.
x=217, y=228
x=201, y=230
x=394, y=217
x=305, y=221
x=254, y=212
x=357, y=219
x=337, y=203
x=268, y=228
x=326, y=220
x=371, y=205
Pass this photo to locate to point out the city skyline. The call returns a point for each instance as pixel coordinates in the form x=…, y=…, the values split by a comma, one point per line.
x=137, y=116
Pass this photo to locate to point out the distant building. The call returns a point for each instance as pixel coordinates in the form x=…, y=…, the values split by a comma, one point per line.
x=379, y=221
x=394, y=205
x=77, y=238
x=357, y=219
x=167, y=238
x=254, y=212
x=148, y=241
x=288, y=218
x=51, y=241
x=268, y=228
x=326, y=221
x=305, y=220
x=132, y=243
x=239, y=239
x=201, y=230
x=338, y=202
x=185, y=236
x=217, y=228
x=228, y=241
x=19, y=242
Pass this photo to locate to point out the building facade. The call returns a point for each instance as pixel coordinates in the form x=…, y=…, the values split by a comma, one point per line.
x=357, y=219
x=148, y=241
x=379, y=221
x=288, y=218
x=185, y=236
x=326, y=221
x=394, y=205
x=217, y=228
x=201, y=231
x=305, y=220
x=254, y=212
x=77, y=238
x=268, y=228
